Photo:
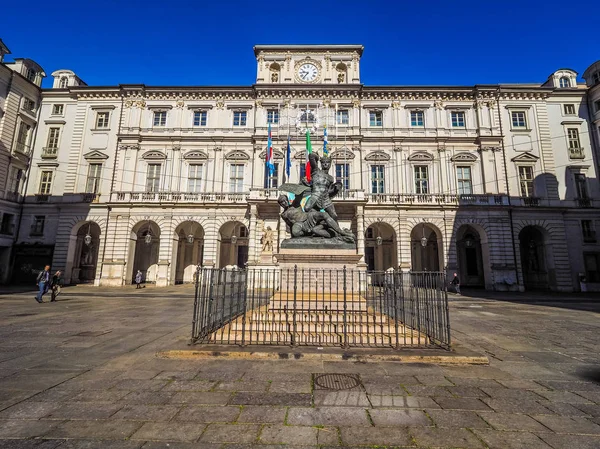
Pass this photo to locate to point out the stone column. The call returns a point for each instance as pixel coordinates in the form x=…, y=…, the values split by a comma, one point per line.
x=253, y=254
x=360, y=231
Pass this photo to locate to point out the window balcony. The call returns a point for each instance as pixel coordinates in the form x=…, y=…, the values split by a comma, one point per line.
x=589, y=237
x=531, y=201
x=583, y=202
x=42, y=198
x=49, y=152
x=12, y=196
x=90, y=197
x=22, y=148
x=180, y=197
x=576, y=153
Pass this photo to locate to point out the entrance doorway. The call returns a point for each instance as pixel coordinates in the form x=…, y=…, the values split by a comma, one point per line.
x=188, y=249
x=534, y=263
x=233, y=245
x=426, y=248
x=470, y=257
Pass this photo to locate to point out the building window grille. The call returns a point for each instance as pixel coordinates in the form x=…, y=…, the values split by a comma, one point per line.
x=200, y=118
x=343, y=118
x=7, y=224
x=526, y=180
x=271, y=181
x=573, y=135
x=465, y=184
x=53, y=136
x=564, y=82
x=569, y=109
x=57, y=109
x=102, y=119
x=37, y=227
x=153, y=177
x=375, y=118
x=236, y=178
x=46, y=182
x=421, y=179
x=592, y=266
x=64, y=83
x=342, y=175
x=93, y=178
x=581, y=186
x=518, y=119
x=29, y=105
x=458, y=119
x=273, y=116
x=160, y=118
x=588, y=231
x=377, y=179
x=239, y=118
x=195, y=178
x=31, y=75
x=417, y=118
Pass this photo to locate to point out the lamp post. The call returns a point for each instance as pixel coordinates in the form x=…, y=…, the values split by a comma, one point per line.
x=88, y=237
x=424, y=239
x=148, y=237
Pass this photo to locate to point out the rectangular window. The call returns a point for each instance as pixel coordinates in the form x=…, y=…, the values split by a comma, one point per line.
x=342, y=174
x=375, y=118
x=102, y=119
x=14, y=182
x=37, y=226
x=343, y=118
x=592, y=267
x=23, y=135
x=458, y=119
x=45, y=183
x=463, y=177
x=273, y=116
x=57, y=109
x=195, y=178
x=302, y=170
x=518, y=119
x=160, y=118
x=153, y=178
x=236, y=178
x=271, y=182
x=92, y=184
x=421, y=179
x=53, y=135
x=573, y=135
x=588, y=231
x=29, y=105
x=377, y=179
x=7, y=225
x=31, y=74
x=200, y=118
x=526, y=180
x=417, y=118
x=239, y=118
x=569, y=109
x=581, y=186
x=597, y=106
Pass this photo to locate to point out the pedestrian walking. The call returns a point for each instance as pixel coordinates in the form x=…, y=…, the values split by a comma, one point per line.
x=456, y=283
x=56, y=285
x=43, y=282
x=138, y=279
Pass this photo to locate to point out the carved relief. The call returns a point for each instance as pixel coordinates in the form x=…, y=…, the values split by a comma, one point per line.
x=377, y=156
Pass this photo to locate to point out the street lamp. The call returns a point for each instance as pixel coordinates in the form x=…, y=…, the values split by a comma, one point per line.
x=148, y=237
x=88, y=237
x=379, y=240
x=424, y=239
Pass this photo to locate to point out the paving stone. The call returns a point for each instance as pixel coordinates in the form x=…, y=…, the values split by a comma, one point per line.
x=590, y=409
x=399, y=417
x=29, y=410
x=254, y=386
x=290, y=387
x=462, y=404
x=100, y=444
x=375, y=436
x=25, y=428
x=292, y=435
x=189, y=385
x=30, y=444
x=457, y=418
x=564, y=424
x=89, y=384
x=508, y=421
x=426, y=390
x=522, y=384
x=99, y=396
x=434, y=437
x=558, y=441
x=231, y=433
x=516, y=406
x=171, y=431
x=55, y=395
x=341, y=398
x=94, y=429
x=201, y=397
x=327, y=416
x=176, y=375
x=155, y=413
x=473, y=382
x=466, y=392
x=507, y=393
x=512, y=440
x=210, y=414
x=84, y=411
x=439, y=381
x=564, y=396
x=299, y=399
x=328, y=436
x=180, y=445
x=262, y=414
x=141, y=384
x=385, y=390
x=593, y=396
x=402, y=402
x=563, y=409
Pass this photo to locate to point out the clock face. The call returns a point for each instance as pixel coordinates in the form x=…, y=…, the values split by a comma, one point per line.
x=308, y=72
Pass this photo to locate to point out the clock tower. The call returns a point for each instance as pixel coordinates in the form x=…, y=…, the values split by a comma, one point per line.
x=308, y=64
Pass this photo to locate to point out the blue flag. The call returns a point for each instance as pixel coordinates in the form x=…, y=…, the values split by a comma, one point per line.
x=269, y=158
x=288, y=160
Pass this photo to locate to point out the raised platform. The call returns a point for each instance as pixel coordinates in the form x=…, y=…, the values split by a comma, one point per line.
x=316, y=243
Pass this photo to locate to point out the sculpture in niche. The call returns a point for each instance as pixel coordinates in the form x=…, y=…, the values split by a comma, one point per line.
x=87, y=256
x=340, y=78
x=267, y=240
x=274, y=77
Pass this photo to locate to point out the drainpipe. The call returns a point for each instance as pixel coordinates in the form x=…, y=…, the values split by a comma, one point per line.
x=510, y=209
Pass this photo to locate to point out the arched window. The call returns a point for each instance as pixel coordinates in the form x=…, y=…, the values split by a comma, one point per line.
x=64, y=82
x=564, y=82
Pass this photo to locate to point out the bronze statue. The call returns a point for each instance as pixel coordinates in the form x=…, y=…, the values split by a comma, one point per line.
x=323, y=186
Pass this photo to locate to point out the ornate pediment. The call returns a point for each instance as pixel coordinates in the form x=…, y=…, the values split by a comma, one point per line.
x=95, y=155
x=342, y=154
x=237, y=155
x=277, y=154
x=153, y=154
x=300, y=155
x=525, y=157
x=195, y=154
x=420, y=156
x=463, y=157
x=377, y=156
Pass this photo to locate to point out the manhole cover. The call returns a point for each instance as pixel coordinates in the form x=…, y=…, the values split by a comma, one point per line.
x=336, y=381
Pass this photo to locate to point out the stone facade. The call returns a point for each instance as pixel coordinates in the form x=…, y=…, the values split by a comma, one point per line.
x=495, y=182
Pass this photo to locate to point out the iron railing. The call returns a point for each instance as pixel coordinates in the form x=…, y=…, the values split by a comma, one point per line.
x=327, y=307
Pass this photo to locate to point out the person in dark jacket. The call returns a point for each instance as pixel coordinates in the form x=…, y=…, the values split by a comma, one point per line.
x=43, y=283
x=456, y=283
x=138, y=279
x=57, y=283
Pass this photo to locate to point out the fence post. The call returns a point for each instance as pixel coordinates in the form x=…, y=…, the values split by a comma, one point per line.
x=345, y=312
x=395, y=299
x=196, y=305
x=294, y=330
x=245, y=305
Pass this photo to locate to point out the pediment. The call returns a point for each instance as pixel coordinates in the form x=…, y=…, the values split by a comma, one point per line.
x=377, y=156
x=300, y=155
x=237, y=156
x=342, y=153
x=420, y=156
x=277, y=154
x=525, y=157
x=463, y=157
x=195, y=154
x=153, y=154
x=95, y=155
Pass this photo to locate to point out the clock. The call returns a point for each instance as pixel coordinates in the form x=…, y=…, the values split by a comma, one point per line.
x=308, y=72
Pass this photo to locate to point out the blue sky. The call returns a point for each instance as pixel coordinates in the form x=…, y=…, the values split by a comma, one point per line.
x=210, y=43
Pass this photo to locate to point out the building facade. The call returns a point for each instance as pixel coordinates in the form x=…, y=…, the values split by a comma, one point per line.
x=20, y=98
x=495, y=182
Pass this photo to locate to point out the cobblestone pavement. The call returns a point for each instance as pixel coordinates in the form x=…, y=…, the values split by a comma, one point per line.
x=82, y=373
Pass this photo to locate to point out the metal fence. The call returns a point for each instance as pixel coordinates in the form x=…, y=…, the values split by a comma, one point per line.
x=328, y=307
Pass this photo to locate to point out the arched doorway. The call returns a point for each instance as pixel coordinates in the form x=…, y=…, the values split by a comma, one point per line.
x=534, y=262
x=380, y=247
x=426, y=248
x=233, y=244
x=144, y=246
x=470, y=257
x=188, y=249
x=85, y=256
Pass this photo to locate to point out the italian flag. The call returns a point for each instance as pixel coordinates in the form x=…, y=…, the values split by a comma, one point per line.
x=308, y=151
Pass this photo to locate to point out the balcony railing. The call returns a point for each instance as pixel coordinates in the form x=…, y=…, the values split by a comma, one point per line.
x=273, y=194
x=12, y=196
x=438, y=199
x=589, y=237
x=49, y=152
x=22, y=148
x=583, y=202
x=180, y=197
x=576, y=153
x=531, y=201
x=90, y=197
x=42, y=198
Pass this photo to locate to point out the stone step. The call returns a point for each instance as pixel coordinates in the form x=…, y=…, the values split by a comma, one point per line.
x=331, y=338
x=318, y=317
x=257, y=326
x=318, y=306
